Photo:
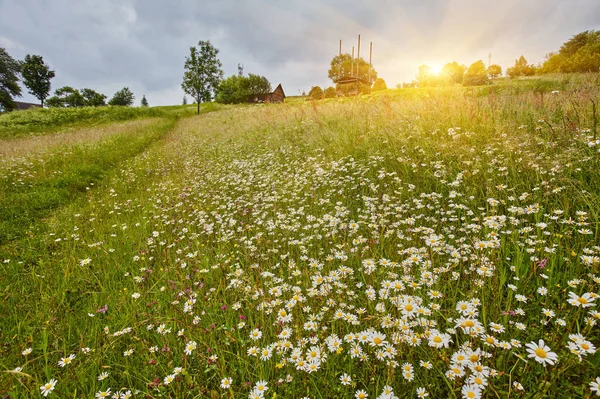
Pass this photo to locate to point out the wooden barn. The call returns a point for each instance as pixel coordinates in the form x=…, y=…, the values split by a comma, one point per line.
x=277, y=96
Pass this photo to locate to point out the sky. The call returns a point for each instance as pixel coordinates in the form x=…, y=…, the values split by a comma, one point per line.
x=106, y=45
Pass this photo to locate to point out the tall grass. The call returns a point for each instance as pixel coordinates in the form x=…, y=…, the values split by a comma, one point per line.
x=294, y=230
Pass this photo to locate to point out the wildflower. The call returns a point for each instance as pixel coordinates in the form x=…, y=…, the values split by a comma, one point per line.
x=345, y=379
x=85, y=261
x=27, y=351
x=103, y=394
x=66, y=360
x=168, y=379
x=585, y=301
x=261, y=386
x=255, y=334
x=422, y=393
x=594, y=386
x=190, y=347
x=541, y=353
x=48, y=387
x=361, y=394
x=226, y=382
x=471, y=392
x=102, y=376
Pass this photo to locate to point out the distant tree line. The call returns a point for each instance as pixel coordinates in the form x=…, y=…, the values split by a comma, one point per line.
x=36, y=76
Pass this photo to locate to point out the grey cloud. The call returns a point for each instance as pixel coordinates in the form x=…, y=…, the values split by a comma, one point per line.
x=142, y=44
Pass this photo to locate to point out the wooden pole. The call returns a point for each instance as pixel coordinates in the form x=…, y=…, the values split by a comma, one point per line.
x=358, y=64
x=370, y=60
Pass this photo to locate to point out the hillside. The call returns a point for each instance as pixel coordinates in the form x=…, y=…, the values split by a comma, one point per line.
x=413, y=241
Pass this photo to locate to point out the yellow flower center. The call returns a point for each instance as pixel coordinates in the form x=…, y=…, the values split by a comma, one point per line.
x=582, y=300
x=469, y=323
x=377, y=341
x=408, y=307
x=540, y=353
x=585, y=346
x=471, y=394
x=437, y=339
x=474, y=358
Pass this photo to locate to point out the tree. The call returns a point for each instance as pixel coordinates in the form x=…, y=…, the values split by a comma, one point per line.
x=453, y=72
x=92, y=98
x=330, y=92
x=379, y=85
x=66, y=96
x=123, y=97
x=581, y=53
x=476, y=74
x=521, y=68
x=9, y=80
x=494, y=71
x=343, y=66
x=184, y=100
x=238, y=88
x=36, y=76
x=202, y=72
x=316, y=93
x=426, y=77
x=144, y=102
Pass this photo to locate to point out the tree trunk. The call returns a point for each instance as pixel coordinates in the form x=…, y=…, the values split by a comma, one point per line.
x=198, y=102
x=42, y=103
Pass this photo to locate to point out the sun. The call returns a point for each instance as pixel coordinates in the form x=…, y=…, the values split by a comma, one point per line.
x=436, y=69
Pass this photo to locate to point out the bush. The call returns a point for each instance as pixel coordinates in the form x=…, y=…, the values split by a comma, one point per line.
x=476, y=75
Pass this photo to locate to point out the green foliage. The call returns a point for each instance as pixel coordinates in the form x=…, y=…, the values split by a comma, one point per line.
x=239, y=88
x=521, y=68
x=581, y=53
x=453, y=72
x=476, y=74
x=37, y=121
x=9, y=80
x=66, y=96
x=36, y=76
x=494, y=71
x=202, y=72
x=91, y=98
x=123, y=97
x=316, y=93
x=379, y=85
x=144, y=102
x=330, y=92
x=343, y=66
x=425, y=77
x=184, y=100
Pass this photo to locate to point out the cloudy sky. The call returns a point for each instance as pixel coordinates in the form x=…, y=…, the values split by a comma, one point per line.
x=108, y=44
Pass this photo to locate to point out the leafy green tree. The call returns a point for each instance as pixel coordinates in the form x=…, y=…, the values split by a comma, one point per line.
x=144, y=102
x=476, y=74
x=123, y=97
x=238, y=88
x=184, y=100
x=316, y=93
x=494, y=71
x=202, y=72
x=521, y=68
x=581, y=53
x=330, y=92
x=343, y=66
x=36, y=76
x=379, y=85
x=9, y=80
x=66, y=96
x=92, y=98
x=453, y=72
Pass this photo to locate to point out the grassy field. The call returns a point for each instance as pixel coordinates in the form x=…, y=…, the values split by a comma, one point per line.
x=413, y=243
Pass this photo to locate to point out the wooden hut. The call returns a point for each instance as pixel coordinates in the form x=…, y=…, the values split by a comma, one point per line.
x=277, y=96
x=21, y=105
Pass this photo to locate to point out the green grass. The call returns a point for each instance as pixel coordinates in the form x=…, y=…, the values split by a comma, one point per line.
x=482, y=196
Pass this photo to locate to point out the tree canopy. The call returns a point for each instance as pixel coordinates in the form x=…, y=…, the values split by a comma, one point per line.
x=66, y=96
x=9, y=80
x=476, y=74
x=36, y=76
x=92, y=98
x=494, y=71
x=379, y=85
x=239, y=88
x=521, y=68
x=453, y=72
x=330, y=92
x=144, y=102
x=202, y=72
x=316, y=93
x=123, y=97
x=581, y=53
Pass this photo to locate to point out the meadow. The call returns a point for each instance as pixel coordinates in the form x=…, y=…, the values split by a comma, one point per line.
x=414, y=243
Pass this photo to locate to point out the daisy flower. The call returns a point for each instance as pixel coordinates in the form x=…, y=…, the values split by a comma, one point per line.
x=48, y=387
x=541, y=353
x=594, y=386
x=226, y=382
x=585, y=301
